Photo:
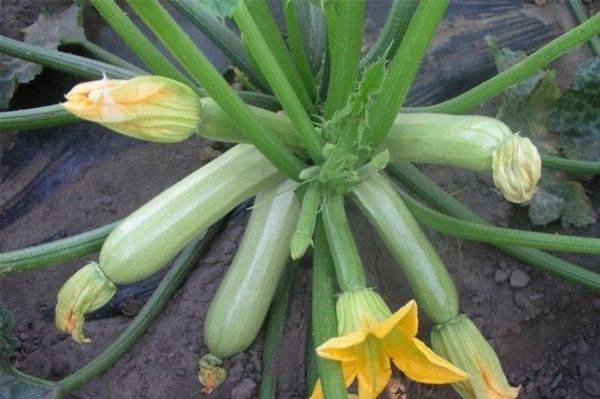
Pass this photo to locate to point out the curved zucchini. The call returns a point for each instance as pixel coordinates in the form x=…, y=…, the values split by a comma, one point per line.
x=151, y=236
x=242, y=301
x=431, y=283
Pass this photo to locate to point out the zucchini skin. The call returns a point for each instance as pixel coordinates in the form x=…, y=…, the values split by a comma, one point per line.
x=427, y=275
x=150, y=237
x=242, y=301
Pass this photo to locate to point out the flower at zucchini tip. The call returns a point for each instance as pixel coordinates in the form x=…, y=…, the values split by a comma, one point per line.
x=516, y=168
x=151, y=108
x=85, y=291
x=460, y=341
x=370, y=335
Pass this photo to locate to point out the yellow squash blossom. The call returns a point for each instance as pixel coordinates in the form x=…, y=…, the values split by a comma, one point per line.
x=461, y=342
x=151, y=108
x=370, y=335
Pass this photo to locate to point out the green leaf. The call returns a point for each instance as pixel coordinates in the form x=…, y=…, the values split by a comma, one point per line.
x=576, y=116
x=218, y=9
x=7, y=343
x=556, y=199
x=49, y=31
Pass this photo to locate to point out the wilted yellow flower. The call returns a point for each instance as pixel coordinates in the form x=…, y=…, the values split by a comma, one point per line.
x=150, y=108
x=460, y=341
x=85, y=291
x=516, y=169
x=370, y=335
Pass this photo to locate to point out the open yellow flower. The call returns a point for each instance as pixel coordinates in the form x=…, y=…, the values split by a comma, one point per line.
x=150, y=108
x=370, y=335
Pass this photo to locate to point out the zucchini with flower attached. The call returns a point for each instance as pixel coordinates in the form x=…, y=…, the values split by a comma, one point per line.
x=242, y=301
x=472, y=142
x=149, y=238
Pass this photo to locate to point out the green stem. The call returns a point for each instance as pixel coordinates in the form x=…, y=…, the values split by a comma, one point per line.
x=313, y=31
x=438, y=198
x=278, y=315
x=33, y=118
x=58, y=251
x=28, y=378
x=497, y=235
x=267, y=29
x=135, y=39
x=179, y=43
x=294, y=38
x=62, y=61
x=539, y=59
x=571, y=165
x=106, y=56
x=310, y=356
x=305, y=227
x=348, y=265
x=324, y=320
x=276, y=76
x=222, y=36
x=392, y=33
x=140, y=324
x=581, y=15
x=344, y=27
x=404, y=67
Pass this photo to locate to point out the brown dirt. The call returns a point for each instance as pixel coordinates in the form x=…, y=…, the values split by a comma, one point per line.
x=546, y=333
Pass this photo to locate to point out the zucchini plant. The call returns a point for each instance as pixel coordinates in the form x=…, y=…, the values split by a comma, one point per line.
x=341, y=135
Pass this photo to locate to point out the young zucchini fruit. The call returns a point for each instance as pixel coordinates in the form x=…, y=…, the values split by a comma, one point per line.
x=431, y=283
x=472, y=142
x=149, y=238
x=242, y=301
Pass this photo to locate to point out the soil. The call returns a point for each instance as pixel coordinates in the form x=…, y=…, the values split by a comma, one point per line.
x=61, y=181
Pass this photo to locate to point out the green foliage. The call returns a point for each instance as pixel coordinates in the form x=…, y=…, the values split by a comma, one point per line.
x=344, y=132
x=569, y=123
x=576, y=115
x=49, y=31
x=218, y=9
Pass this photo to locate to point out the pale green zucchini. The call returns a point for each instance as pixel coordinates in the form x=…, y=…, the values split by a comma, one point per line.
x=427, y=275
x=151, y=236
x=242, y=301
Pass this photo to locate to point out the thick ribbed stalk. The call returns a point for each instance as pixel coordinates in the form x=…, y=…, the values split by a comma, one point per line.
x=392, y=33
x=222, y=36
x=141, y=322
x=348, y=265
x=313, y=32
x=497, y=235
x=272, y=69
x=266, y=25
x=179, y=43
x=404, y=67
x=104, y=55
x=278, y=314
x=135, y=39
x=438, y=198
x=581, y=15
x=297, y=47
x=344, y=28
x=58, y=251
x=539, y=59
x=324, y=320
x=62, y=61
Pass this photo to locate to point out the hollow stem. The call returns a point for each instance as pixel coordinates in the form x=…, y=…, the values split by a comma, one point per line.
x=581, y=15
x=135, y=39
x=539, y=59
x=106, y=56
x=179, y=43
x=33, y=118
x=54, y=252
x=404, y=67
x=324, y=320
x=61, y=61
x=438, y=198
x=348, y=265
x=392, y=33
x=570, y=165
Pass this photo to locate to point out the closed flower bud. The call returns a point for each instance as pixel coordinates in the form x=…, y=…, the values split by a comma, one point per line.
x=87, y=290
x=459, y=341
x=516, y=169
x=151, y=108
